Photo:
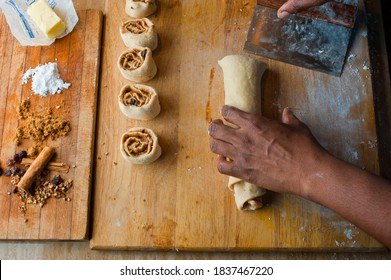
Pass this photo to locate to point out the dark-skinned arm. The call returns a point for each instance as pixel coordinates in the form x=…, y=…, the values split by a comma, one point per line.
x=285, y=157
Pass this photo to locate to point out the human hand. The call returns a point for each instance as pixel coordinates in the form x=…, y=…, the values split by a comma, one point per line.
x=295, y=6
x=282, y=157
x=285, y=157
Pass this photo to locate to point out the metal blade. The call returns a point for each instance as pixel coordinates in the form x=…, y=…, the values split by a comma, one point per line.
x=298, y=40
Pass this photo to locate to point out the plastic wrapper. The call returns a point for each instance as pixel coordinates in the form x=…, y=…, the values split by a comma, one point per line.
x=24, y=28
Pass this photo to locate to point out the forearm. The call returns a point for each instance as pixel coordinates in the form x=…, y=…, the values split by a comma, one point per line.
x=360, y=197
x=286, y=158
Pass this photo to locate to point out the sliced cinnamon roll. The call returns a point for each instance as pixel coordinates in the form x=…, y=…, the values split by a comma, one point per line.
x=140, y=145
x=140, y=8
x=139, y=32
x=137, y=64
x=139, y=102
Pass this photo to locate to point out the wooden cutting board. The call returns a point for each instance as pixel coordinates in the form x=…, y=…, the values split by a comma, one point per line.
x=181, y=202
x=78, y=57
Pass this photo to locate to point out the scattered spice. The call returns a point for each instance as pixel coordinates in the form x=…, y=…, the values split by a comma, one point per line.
x=41, y=191
x=23, y=109
x=32, y=152
x=39, y=126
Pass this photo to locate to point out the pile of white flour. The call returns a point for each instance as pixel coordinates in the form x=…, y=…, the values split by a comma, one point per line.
x=45, y=79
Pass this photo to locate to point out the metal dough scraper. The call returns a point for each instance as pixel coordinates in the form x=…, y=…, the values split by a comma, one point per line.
x=317, y=38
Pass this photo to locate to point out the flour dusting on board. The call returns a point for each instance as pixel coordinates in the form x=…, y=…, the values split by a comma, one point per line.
x=46, y=79
x=308, y=38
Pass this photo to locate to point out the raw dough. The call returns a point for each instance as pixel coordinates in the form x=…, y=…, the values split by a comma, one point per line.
x=140, y=8
x=139, y=102
x=137, y=64
x=140, y=145
x=139, y=32
x=242, y=85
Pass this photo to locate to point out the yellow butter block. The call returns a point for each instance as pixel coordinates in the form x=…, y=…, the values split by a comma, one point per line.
x=46, y=19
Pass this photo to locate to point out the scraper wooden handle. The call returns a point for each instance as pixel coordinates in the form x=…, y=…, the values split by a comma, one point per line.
x=337, y=13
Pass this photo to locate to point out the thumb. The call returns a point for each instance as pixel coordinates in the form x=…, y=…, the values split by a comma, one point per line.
x=295, y=6
x=289, y=118
x=286, y=9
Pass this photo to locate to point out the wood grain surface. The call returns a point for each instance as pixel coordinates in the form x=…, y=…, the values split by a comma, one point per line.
x=78, y=57
x=80, y=250
x=181, y=202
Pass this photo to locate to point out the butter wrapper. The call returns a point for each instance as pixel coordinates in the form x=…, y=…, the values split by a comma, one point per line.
x=24, y=28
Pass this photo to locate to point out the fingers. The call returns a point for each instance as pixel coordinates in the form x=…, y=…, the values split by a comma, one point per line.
x=287, y=9
x=227, y=167
x=218, y=130
x=282, y=14
x=222, y=148
x=231, y=168
x=289, y=118
x=295, y=6
x=240, y=118
x=224, y=166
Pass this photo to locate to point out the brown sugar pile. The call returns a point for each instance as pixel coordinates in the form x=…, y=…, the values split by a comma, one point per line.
x=39, y=126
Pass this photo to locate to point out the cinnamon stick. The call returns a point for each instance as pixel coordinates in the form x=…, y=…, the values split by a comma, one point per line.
x=36, y=168
x=51, y=166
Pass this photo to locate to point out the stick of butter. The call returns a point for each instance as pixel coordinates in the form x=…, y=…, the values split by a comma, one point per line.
x=46, y=19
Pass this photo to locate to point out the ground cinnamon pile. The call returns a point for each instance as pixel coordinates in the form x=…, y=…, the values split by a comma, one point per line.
x=39, y=126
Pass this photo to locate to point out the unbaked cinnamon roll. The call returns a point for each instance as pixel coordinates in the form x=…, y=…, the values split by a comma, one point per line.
x=139, y=32
x=140, y=8
x=242, y=84
x=140, y=146
x=137, y=64
x=139, y=102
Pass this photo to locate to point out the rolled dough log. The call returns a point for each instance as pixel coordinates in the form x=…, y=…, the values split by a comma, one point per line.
x=139, y=32
x=140, y=8
x=242, y=85
x=139, y=102
x=140, y=145
x=137, y=64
